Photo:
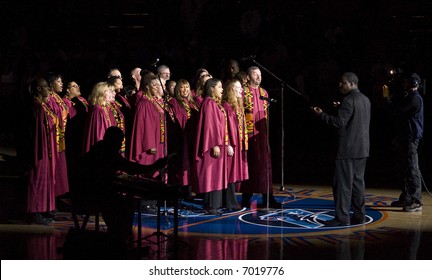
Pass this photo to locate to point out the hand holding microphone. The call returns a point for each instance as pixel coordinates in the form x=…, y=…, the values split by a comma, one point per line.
x=268, y=99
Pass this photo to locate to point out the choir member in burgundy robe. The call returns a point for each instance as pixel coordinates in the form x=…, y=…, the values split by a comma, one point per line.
x=198, y=74
x=148, y=137
x=259, y=155
x=117, y=107
x=199, y=92
x=123, y=111
x=61, y=109
x=135, y=98
x=100, y=116
x=41, y=192
x=210, y=165
x=233, y=105
x=186, y=115
x=75, y=128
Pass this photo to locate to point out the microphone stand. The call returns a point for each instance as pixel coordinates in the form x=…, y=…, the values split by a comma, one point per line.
x=164, y=97
x=283, y=84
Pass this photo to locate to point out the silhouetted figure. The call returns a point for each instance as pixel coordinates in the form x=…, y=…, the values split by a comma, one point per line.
x=98, y=170
x=408, y=110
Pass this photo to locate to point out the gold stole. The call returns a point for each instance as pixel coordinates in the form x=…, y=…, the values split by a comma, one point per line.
x=49, y=114
x=115, y=108
x=249, y=105
x=160, y=109
x=242, y=129
x=61, y=127
x=165, y=107
x=188, y=106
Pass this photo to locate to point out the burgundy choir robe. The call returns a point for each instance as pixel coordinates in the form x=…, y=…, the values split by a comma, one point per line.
x=198, y=100
x=148, y=131
x=259, y=155
x=134, y=100
x=185, y=140
x=98, y=120
x=61, y=109
x=237, y=164
x=210, y=173
x=74, y=133
x=41, y=192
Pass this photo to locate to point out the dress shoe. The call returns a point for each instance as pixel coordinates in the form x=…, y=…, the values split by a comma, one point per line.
x=50, y=214
x=272, y=202
x=246, y=204
x=39, y=219
x=211, y=211
x=335, y=223
x=357, y=221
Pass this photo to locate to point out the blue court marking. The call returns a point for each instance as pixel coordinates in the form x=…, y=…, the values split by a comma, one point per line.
x=302, y=216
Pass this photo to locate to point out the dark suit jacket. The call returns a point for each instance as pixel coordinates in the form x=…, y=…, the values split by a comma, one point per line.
x=352, y=122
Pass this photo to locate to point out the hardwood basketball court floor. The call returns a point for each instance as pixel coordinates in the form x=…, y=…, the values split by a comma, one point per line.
x=291, y=233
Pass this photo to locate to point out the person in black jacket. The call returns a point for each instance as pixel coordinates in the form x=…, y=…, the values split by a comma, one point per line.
x=352, y=122
x=95, y=183
x=407, y=108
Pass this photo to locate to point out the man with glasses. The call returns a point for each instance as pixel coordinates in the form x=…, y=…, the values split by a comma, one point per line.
x=164, y=74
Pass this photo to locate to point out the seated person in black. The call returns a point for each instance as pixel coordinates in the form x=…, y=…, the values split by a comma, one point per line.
x=94, y=185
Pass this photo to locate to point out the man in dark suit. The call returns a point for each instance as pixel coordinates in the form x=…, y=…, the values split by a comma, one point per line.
x=352, y=122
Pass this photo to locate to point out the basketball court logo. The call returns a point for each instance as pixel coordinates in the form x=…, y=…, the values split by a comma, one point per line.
x=297, y=218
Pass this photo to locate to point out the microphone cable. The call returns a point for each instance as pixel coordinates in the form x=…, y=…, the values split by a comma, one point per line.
x=421, y=176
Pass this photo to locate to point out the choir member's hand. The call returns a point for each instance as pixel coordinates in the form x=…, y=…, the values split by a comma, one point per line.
x=230, y=151
x=336, y=104
x=152, y=151
x=216, y=151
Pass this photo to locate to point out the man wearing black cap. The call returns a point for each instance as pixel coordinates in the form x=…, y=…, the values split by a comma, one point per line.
x=409, y=112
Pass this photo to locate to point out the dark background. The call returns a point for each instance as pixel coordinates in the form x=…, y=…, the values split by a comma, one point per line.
x=307, y=44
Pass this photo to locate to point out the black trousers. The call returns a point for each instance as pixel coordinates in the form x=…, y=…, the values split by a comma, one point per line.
x=223, y=198
x=408, y=159
x=349, y=189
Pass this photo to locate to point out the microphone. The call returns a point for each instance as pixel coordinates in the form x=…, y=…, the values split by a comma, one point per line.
x=252, y=56
x=268, y=99
x=155, y=63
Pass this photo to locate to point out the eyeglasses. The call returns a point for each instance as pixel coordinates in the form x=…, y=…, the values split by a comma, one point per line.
x=74, y=86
